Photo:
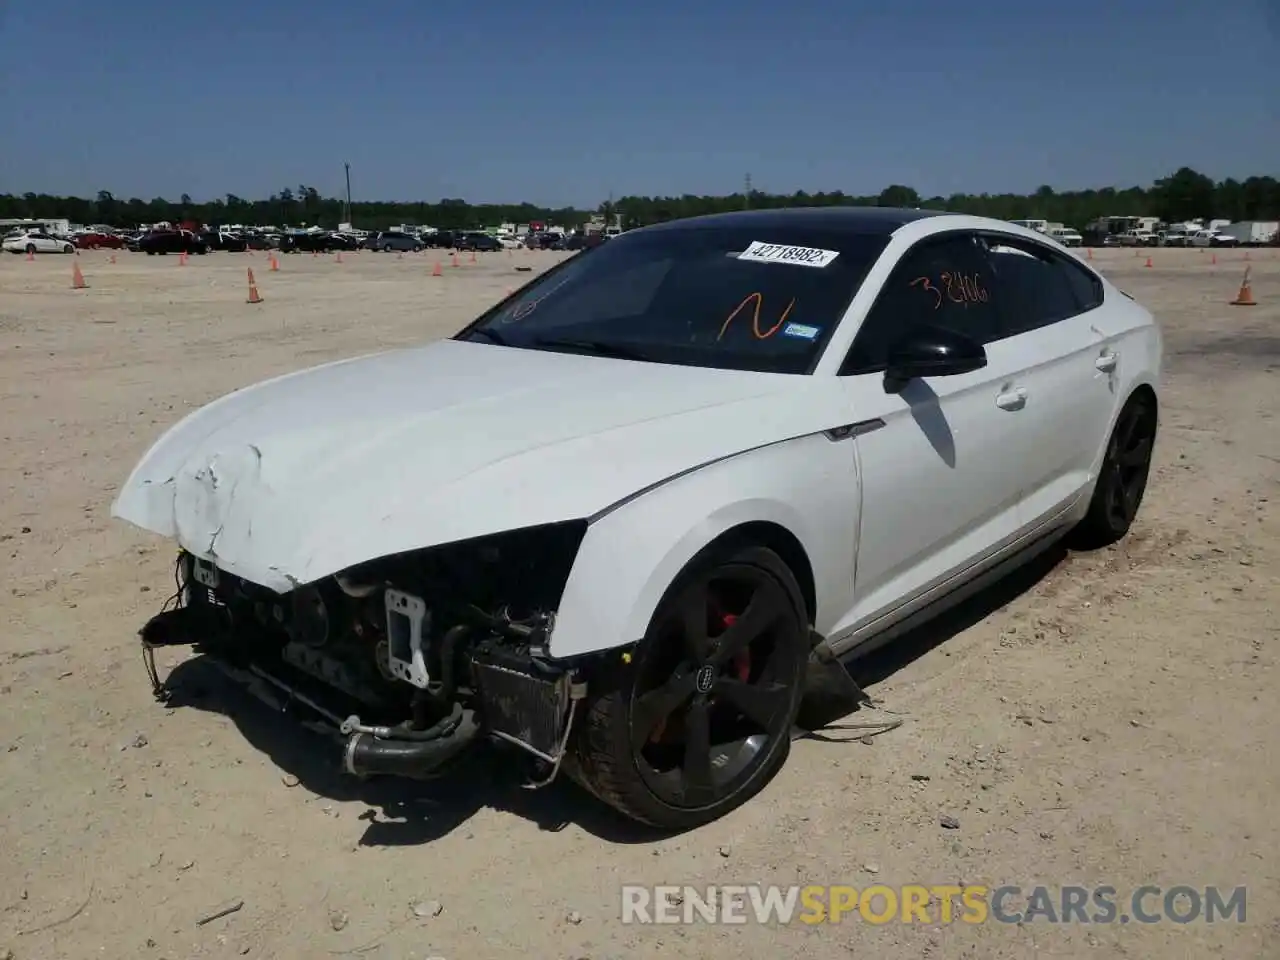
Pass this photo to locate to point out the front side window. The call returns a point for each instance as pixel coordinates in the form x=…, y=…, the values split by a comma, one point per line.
x=941, y=282
x=739, y=297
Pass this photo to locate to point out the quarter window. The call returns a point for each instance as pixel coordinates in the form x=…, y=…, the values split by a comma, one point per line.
x=942, y=282
x=1036, y=287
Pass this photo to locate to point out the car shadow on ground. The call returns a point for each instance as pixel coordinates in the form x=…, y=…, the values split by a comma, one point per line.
x=402, y=812
x=409, y=813
x=879, y=665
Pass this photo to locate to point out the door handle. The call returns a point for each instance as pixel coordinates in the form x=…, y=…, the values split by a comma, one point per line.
x=1015, y=399
x=1106, y=362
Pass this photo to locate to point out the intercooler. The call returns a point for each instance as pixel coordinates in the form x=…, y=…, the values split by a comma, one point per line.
x=520, y=705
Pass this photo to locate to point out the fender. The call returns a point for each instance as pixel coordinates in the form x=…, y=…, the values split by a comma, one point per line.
x=1145, y=373
x=634, y=550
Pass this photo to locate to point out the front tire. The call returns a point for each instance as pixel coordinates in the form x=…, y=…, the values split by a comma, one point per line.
x=699, y=720
x=1122, y=480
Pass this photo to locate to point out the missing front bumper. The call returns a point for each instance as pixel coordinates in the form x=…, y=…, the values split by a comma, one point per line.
x=514, y=703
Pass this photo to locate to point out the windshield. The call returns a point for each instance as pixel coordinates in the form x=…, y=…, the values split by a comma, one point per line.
x=745, y=298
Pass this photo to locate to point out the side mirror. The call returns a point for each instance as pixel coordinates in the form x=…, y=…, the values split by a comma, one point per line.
x=932, y=352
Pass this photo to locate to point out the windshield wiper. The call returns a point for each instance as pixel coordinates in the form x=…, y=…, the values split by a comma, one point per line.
x=599, y=347
x=491, y=335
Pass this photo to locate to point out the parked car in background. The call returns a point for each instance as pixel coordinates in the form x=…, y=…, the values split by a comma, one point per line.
x=261, y=241
x=1066, y=236
x=397, y=240
x=225, y=240
x=36, y=241
x=1213, y=238
x=353, y=241
x=1139, y=238
x=474, y=240
x=543, y=240
x=623, y=524
x=95, y=240
x=313, y=243
x=439, y=239
x=169, y=241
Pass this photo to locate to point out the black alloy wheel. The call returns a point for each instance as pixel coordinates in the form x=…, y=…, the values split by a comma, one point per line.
x=1129, y=464
x=1122, y=480
x=706, y=717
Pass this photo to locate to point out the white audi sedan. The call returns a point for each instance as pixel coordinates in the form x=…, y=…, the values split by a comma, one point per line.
x=624, y=520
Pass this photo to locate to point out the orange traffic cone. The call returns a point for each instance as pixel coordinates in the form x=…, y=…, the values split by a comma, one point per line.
x=1245, y=297
x=113, y=258
x=1148, y=263
x=182, y=259
x=77, y=278
x=473, y=256
x=254, y=297
x=436, y=271
x=1089, y=251
x=1213, y=262
x=454, y=262
x=272, y=263
x=338, y=258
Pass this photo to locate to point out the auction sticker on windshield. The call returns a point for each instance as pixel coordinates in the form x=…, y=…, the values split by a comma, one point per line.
x=801, y=330
x=781, y=253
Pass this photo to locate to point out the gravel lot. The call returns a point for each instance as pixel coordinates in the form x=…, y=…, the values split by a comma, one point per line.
x=1105, y=719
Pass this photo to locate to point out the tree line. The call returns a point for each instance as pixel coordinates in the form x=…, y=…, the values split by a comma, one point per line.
x=1184, y=195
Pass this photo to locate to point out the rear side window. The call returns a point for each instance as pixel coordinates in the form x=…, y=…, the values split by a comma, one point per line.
x=1036, y=287
x=1087, y=287
x=942, y=282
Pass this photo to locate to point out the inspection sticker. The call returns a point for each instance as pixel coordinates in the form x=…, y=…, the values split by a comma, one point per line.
x=801, y=330
x=781, y=253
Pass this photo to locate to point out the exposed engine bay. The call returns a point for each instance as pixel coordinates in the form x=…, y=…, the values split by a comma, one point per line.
x=408, y=659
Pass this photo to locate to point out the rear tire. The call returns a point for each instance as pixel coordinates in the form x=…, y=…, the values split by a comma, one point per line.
x=670, y=742
x=1122, y=479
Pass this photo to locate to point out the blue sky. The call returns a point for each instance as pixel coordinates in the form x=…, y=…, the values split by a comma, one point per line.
x=564, y=102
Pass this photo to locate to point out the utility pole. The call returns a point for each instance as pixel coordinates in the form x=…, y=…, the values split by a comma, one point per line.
x=346, y=218
x=746, y=194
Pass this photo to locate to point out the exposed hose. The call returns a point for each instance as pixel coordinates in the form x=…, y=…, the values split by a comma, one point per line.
x=366, y=755
x=448, y=645
x=405, y=732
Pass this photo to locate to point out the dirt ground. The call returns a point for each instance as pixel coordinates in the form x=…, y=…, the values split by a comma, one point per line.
x=1102, y=719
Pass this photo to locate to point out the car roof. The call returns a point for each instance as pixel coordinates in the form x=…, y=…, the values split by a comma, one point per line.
x=880, y=221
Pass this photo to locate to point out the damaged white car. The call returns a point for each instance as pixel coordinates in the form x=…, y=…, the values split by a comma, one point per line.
x=624, y=518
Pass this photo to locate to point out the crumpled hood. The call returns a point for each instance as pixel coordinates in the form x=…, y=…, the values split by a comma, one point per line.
x=307, y=474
